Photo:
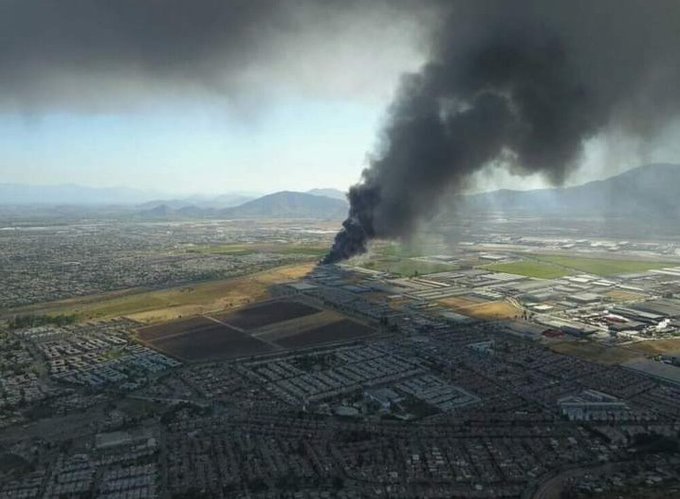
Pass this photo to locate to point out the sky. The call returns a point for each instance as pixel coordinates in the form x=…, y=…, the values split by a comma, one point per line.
x=204, y=149
x=221, y=96
x=203, y=97
x=195, y=149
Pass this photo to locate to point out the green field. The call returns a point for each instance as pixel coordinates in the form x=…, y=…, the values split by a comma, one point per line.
x=407, y=267
x=602, y=266
x=540, y=270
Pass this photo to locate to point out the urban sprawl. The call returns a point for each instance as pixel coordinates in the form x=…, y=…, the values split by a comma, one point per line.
x=501, y=366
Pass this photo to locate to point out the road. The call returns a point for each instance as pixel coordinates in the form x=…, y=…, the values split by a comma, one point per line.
x=553, y=484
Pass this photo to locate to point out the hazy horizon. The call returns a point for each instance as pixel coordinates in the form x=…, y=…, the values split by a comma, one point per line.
x=488, y=181
x=190, y=114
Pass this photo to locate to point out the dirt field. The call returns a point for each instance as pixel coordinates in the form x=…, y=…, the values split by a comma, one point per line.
x=458, y=302
x=620, y=295
x=165, y=305
x=595, y=352
x=200, y=339
x=251, y=331
x=656, y=347
x=489, y=310
x=152, y=333
x=274, y=332
x=336, y=331
x=266, y=314
x=224, y=295
x=609, y=355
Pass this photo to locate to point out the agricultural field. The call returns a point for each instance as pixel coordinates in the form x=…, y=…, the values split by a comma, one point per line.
x=200, y=339
x=274, y=332
x=292, y=324
x=601, y=266
x=342, y=330
x=267, y=313
x=150, y=334
x=536, y=269
x=250, y=331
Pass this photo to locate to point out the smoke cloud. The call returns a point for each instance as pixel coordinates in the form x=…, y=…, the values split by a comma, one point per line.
x=92, y=55
x=522, y=84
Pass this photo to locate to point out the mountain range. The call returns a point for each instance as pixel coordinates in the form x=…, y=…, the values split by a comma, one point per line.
x=288, y=204
x=649, y=191
x=207, y=202
x=646, y=192
x=329, y=193
x=284, y=204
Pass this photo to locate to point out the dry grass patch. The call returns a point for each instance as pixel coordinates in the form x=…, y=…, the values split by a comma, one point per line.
x=656, y=347
x=499, y=310
x=222, y=295
x=595, y=352
x=490, y=310
x=620, y=295
x=458, y=302
x=169, y=304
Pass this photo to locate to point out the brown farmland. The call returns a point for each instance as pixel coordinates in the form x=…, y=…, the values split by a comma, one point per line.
x=200, y=339
x=336, y=331
x=266, y=314
x=152, y=333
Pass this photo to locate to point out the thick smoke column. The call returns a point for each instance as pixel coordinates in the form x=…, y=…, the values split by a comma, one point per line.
x=522, y=84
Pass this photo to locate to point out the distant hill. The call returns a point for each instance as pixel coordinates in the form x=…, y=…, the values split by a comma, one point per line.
x=160, y=211
x=200, y=202
x=329, y=193
x=170, y=204
x=287, y=204
x=228, y=200
x=650, y=191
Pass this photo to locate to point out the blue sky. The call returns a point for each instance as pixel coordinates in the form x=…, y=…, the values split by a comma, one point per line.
x=202, y=106
x=205, y=98
x=294, y=144
x=208, y=147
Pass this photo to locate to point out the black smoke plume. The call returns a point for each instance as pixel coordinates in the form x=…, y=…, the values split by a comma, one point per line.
x=516, y=83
